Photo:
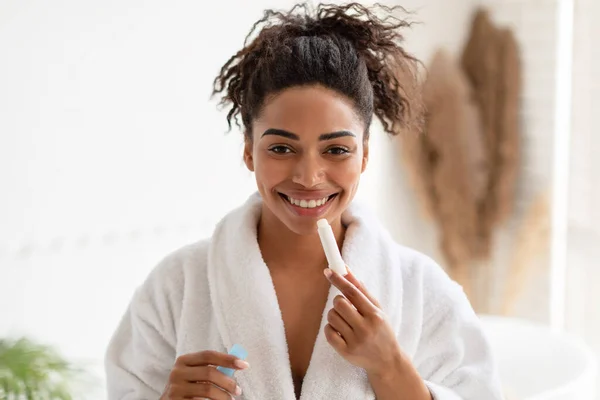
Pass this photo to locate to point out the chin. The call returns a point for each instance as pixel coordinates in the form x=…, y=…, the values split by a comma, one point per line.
x=301, y=227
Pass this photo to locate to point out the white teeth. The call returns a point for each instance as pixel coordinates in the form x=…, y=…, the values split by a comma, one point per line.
x=308, y=203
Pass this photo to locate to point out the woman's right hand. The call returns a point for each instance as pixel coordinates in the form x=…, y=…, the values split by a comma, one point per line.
x=195, y=375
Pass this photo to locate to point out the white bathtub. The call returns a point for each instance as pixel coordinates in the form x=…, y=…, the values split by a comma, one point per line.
x=538, y=364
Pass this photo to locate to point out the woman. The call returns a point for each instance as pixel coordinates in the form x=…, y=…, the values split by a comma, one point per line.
x=306, y=89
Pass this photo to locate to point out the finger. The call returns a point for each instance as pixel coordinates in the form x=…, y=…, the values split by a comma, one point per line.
x=210, y=375
x=360, y=286
x=212, y=358
x=340, y=325
x=347, y=311
x=356, y=297
x=205, y=391
x=335, y=340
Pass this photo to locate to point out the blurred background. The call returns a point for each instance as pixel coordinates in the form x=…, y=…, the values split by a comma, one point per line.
x=113, y=155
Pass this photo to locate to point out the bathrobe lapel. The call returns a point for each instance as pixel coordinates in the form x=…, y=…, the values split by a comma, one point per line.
x=247, y=311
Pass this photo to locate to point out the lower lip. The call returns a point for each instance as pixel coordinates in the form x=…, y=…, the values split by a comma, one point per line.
x=309, y=212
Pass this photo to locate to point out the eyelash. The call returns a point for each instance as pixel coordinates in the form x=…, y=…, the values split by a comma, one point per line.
x=340, y=151
x=343, y=150
x=273, y=149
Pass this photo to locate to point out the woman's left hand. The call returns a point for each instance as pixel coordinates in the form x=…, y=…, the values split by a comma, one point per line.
x=358, y=329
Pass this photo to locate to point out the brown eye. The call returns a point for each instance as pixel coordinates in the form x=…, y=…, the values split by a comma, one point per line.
x=337, y=151
x=280, y=149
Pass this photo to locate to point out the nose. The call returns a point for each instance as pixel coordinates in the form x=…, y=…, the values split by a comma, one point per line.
x=308, y=171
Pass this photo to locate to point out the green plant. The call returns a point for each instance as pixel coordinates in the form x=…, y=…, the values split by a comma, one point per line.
x=31, y=371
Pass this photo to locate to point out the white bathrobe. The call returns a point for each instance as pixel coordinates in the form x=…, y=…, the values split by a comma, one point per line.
x=217, y=292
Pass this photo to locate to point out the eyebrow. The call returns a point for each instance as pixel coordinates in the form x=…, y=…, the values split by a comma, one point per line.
x=293, y=136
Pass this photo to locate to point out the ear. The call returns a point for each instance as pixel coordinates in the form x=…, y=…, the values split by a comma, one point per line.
x=248, y=158
x=365, y=159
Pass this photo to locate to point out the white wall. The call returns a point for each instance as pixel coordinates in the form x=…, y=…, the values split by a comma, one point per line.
x=583, y=284
x=111, y=155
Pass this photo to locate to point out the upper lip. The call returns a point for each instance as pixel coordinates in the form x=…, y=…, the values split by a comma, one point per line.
x=308, y=195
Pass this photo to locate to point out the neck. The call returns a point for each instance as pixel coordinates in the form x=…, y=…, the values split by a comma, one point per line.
x=282, y=248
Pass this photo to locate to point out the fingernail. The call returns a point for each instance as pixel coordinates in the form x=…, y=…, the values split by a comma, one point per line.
x=327, y=272
x=238, y=390
x=241, y=364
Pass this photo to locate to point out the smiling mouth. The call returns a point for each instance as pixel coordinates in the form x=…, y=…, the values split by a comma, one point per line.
x=308, y=203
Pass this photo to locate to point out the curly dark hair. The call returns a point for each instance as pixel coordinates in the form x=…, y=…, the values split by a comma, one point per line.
x=346, y=48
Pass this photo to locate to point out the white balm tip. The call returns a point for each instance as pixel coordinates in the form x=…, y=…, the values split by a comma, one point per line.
x=322, y=223
x=332, y=252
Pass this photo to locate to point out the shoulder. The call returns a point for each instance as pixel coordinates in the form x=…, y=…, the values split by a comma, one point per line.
x=424, y=267
x=170, y=273
x=425, y=279
x=422, y=279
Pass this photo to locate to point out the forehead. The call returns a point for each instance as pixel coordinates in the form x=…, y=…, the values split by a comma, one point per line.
x=309, y=110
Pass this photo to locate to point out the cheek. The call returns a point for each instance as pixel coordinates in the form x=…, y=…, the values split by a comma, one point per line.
x=269, y=172
x=349, y=175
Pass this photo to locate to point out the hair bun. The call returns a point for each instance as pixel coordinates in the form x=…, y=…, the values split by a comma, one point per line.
x=390, y=83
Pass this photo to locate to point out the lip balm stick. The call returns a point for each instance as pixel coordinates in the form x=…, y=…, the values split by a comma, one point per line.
x=332, y=252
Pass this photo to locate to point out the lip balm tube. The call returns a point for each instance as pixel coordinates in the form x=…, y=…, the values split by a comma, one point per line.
x=237, y=351
x=332, y=252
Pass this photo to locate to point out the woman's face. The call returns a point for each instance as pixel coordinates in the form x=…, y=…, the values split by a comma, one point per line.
x=307, y=154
